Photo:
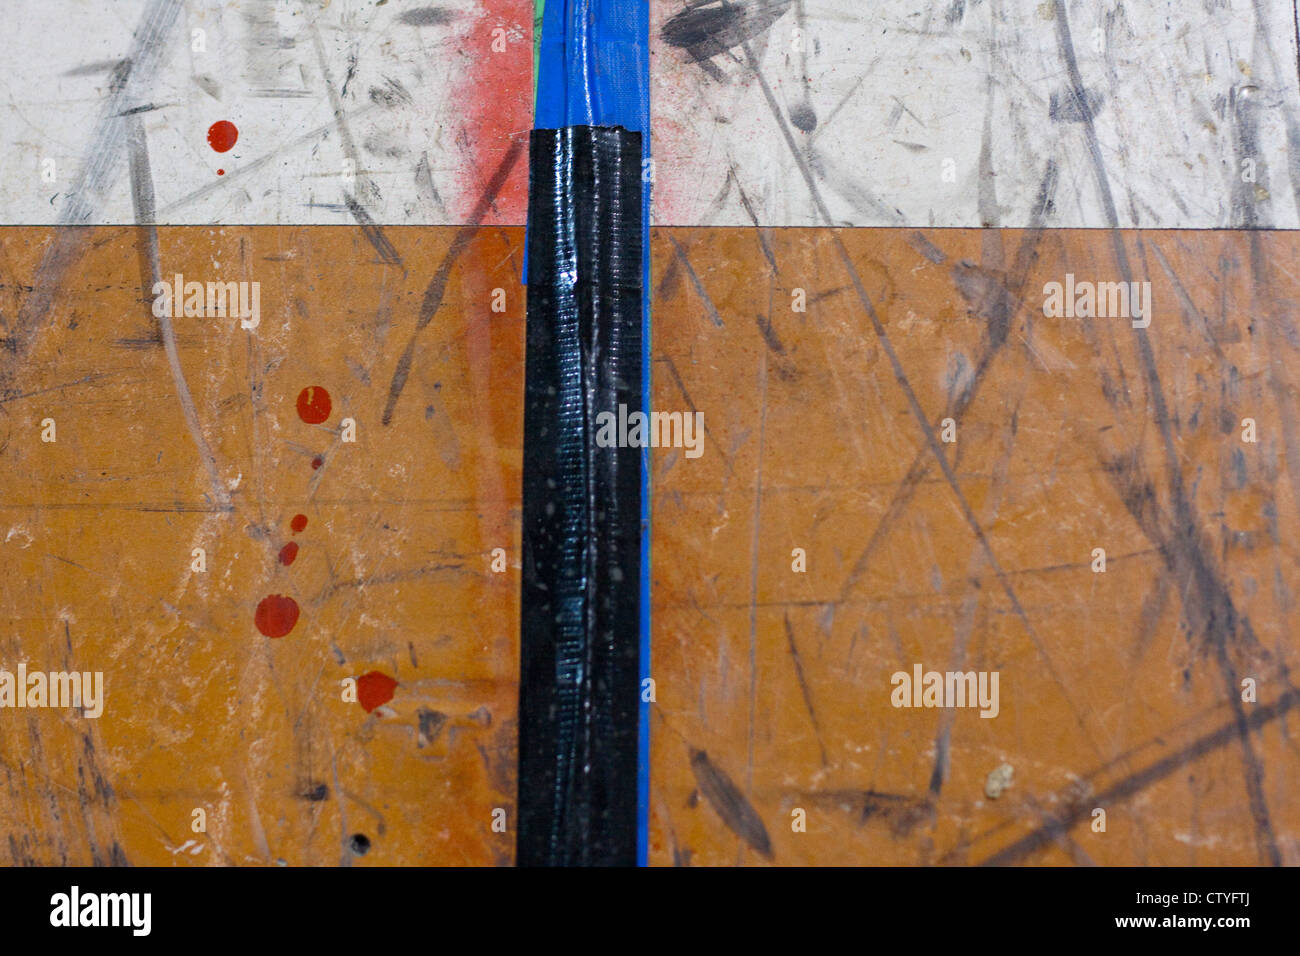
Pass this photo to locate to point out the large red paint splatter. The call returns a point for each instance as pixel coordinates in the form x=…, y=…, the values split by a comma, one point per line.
x=313, y=405
x=298, y=523
x=374, y=689
x=497, y=90
x=276, y=615
x=222, y=135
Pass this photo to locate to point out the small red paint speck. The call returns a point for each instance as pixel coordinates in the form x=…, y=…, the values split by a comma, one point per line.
x=317, y=462
x=373, y=689
x=221, y=172
x=313, y=404
x=276, y=615
x=222, y=135
x=288, y=553
x=298, y=523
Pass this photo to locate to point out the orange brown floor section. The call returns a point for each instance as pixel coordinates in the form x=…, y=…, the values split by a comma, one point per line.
x=393, y=573
x=1118, y=691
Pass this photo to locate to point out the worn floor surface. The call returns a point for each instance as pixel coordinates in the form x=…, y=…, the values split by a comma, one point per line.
x=1119, y=691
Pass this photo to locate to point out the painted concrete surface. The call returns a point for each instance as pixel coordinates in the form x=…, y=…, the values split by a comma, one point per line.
x=1120, y=690
x=779, y=112
x=955, y=113
x=897, y=403
x=393, y=575
x=403, y=111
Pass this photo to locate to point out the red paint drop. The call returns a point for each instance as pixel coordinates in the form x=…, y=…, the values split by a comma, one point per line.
x=222, y=135
x=276, y=615
x=373, y=689
x=298, y=523
x=221, y=172
x=313, y=404
x=317, y=462
x=288, y=553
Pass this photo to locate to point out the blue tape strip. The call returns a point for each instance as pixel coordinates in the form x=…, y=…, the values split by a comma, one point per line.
x=595, y=65
x=594, y=70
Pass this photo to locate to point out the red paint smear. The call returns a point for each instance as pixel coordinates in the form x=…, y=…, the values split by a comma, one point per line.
x=276, y=615
x=317, y=462
x=298, y=523
x=373, y=689
x=313, y=404
x=288, y=553
x=222, y=135
x=497, y=90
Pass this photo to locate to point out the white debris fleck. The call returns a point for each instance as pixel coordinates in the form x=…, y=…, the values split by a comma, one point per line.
x=999, y=779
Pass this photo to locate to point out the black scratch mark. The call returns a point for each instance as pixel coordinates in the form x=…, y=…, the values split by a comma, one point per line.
x=709, y=307
x=1075, y=106
x=803, y=688
x=392, y=94
x=901, y=812
x=438, y=284
x=730, y=804
x=142, y=195
x=424, y=183
x=431, y=723
x=769, y=334
x=427, y=17
x=373, y=232
x=130, y=77
x=1207, y=602
x=713, y=28
x=1135, y=783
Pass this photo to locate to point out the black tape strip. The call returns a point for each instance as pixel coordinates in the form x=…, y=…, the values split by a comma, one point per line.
x=580, y=615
